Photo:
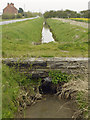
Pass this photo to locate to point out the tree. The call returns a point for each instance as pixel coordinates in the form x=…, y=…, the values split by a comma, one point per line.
x=28, y=14
x=71, y=14
x=78, y=15
x=19, y=15
x=67, y=14
x=21, y=11
x=84, y=13
x=8, y=16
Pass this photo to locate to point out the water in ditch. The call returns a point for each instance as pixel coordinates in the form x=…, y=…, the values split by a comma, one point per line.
x=51, y=107
x=46, y=34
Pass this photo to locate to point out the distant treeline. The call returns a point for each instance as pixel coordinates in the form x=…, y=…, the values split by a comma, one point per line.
x=67, y=14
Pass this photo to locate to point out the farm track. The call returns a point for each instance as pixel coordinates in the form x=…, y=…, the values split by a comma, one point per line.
x=82, y=24
x=14, y=21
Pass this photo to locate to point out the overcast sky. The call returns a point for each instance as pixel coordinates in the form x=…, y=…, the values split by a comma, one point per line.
x=44, y=5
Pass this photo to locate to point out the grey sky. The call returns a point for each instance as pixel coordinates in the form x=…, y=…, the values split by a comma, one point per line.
x=44, y=5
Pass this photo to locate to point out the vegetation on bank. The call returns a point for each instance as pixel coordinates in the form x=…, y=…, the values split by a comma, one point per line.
x=59, y=77
x=17, y=38
x=70, y=38
x=64, y=32
x=15, y=86
x=11, y=16
x=14, y=82
x=11, y=90
x=82, y=100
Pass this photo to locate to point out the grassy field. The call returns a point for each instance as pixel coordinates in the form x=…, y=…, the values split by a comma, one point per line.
x=71, y=40
x=64, y=32
x=18, y=37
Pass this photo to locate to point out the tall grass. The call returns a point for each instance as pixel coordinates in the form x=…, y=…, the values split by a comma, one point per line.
x=14, y=86
x=10, y=92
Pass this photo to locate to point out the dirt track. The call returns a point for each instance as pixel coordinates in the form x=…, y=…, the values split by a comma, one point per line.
x=13, y=21
x=82, y=24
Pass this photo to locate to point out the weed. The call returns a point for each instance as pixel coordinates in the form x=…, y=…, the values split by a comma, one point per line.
x=59, y=77
x=12, y=84
x=83, y=103
x=10, y=92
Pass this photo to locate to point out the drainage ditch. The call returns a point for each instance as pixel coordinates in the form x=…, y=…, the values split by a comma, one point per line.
x=47, y=104
x=50, y=94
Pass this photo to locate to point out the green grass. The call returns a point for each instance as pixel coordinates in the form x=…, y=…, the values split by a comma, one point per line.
x=71, y=40
x=64, y=32
x=0, y=19
x=82, y=101
x=10, y=92
x=18, y=37
x=12, y=19
x=12, y=84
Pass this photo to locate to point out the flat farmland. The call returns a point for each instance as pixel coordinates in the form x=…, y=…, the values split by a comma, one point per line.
x=18, y=38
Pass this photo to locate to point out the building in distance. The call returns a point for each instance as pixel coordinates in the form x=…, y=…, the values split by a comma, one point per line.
x=10, y=9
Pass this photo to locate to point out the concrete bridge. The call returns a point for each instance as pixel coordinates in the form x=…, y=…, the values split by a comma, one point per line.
x=39, y=67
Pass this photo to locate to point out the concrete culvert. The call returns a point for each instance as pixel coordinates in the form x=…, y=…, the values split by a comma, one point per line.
x=47, y=87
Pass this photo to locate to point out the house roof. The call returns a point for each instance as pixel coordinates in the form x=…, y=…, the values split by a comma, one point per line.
x=10, y=5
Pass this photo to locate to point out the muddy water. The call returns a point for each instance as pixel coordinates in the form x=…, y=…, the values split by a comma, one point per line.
x=46, y=35
x=50, y=107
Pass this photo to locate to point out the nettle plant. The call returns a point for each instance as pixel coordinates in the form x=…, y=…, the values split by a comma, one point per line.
x=59, y=77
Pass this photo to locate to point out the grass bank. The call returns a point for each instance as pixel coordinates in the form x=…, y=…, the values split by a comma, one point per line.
x=17, y=90
x=64, y=32
x=18, y=37
x=71, y=40
x=10, y=92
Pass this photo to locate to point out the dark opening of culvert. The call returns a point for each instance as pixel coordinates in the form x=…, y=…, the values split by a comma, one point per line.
x=47, y=87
